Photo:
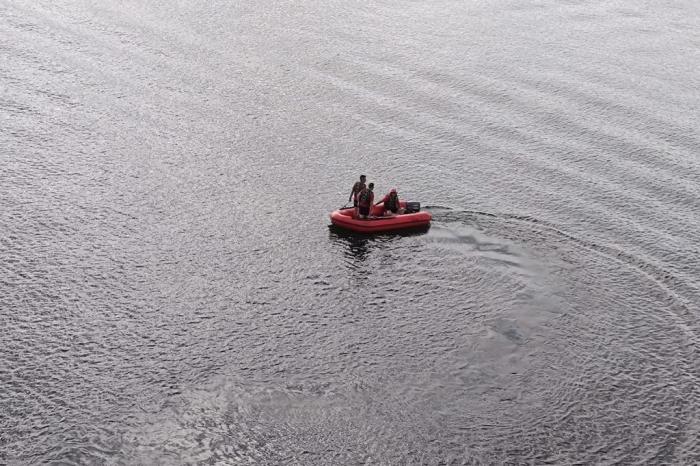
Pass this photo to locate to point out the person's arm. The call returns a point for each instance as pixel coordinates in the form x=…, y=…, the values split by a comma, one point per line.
x=352, y=193
x=383, y=199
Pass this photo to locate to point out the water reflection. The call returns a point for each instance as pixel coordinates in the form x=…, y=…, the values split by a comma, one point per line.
x=359, y=245
x=356, y=245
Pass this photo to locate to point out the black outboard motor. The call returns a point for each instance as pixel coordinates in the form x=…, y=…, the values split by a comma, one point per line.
x=412, y=207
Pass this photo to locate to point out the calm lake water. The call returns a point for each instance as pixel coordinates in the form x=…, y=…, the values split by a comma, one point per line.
x=170, y=291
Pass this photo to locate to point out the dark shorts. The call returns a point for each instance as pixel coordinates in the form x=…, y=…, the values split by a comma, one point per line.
x=394, y=210
x=364, y=210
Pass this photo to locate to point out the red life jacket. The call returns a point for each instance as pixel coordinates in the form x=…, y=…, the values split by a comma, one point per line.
x=365, y=198
x=391, y=202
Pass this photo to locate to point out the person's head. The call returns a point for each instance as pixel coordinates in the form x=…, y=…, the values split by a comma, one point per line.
x=363, y=178
x=371, y=186
x=393, y=192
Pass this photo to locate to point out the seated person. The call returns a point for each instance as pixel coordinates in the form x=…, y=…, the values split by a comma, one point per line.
x=391, y=203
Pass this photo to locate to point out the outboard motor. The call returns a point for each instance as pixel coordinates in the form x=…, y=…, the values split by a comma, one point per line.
x=412, y=207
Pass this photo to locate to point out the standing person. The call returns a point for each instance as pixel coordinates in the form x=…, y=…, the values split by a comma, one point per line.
x=356, y=188
x=391, y=203
x=365, y=201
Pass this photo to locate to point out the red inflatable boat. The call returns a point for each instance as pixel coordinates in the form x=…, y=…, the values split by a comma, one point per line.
x=345, y=218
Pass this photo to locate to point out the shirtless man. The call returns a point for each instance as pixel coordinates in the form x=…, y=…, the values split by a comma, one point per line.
x=356, y=188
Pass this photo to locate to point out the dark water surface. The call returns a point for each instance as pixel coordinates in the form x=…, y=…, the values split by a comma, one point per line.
x=170, y=291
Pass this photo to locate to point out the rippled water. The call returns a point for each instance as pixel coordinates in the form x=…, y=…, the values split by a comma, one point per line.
x=170, y=291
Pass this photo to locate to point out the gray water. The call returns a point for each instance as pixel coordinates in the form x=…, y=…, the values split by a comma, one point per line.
x=170, y=291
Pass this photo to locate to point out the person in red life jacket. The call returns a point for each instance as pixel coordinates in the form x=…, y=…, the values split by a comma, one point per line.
x=356, y=188
x=391, y=203
x=365, y=201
